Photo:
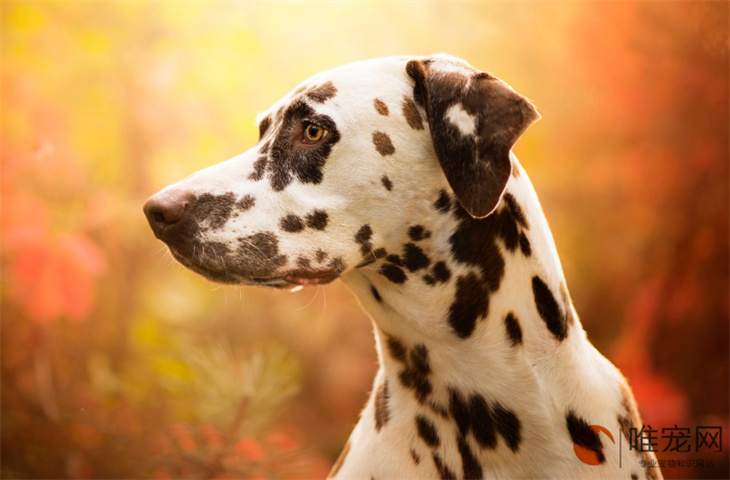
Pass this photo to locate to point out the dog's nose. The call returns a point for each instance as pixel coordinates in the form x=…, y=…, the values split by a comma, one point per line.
x=165, y=210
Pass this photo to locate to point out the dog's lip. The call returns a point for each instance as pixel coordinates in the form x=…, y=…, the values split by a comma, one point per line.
x=306, y=277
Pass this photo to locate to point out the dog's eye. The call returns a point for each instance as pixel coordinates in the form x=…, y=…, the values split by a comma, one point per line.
x=313, y=133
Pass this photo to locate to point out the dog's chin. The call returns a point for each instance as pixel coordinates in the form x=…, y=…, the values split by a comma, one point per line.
x=292, y=279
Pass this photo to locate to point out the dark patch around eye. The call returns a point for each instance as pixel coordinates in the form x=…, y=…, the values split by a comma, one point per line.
x=288, y=159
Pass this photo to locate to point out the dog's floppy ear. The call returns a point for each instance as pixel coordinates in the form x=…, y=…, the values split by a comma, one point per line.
x=475, y=119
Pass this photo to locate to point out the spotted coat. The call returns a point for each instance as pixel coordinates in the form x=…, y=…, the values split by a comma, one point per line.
x=396, y=175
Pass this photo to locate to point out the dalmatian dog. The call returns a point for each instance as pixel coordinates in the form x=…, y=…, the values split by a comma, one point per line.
x=396, y=176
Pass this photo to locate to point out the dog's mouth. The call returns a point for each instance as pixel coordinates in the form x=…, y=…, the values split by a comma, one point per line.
x=219, y=272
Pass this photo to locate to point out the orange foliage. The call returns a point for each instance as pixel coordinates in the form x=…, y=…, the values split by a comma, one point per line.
x=630, y=161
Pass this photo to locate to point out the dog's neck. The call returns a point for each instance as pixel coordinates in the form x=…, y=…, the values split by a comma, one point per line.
x=498, y=311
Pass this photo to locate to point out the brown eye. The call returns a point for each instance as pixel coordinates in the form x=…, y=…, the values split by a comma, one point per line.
x=313, y=133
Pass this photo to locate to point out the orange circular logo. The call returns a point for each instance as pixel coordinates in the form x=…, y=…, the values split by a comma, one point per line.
x=586, y=455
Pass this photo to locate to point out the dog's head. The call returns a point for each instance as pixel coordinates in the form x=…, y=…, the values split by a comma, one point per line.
x=347, y=167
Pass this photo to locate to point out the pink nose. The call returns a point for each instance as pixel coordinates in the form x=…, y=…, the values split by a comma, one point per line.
x=165, y=210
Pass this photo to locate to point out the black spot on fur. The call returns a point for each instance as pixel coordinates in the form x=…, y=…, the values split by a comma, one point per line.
x=246, y=202
x=363, y=237
x=461, y=411
x=507, y=228
x=582, y=434
x=472, y=467
x=507, y=425
x=292, y=224
x=383, y=143
x=289, y=159
x=427, y=431
x=303, y=262
x=386, y=183
x=514, y=332
x=414, y=257
x=415, y=371
x=393, y=273
x=634, y=476
x=440, y=272
x=264, y=125
x=418, y=232
x=443, y=203
x=438, y=409
x=382, y=413
x=416, y=458
x=411, y=114
x=379, y=253
x=482, y=423
x=515, y=210
x=381, y=107
x=322, y=93
x=317, y=219
x=375, y=293
x=472, y=243
x=548, y=309
x=471, y=303
x=485, y=422
x=258, y=254
x=443, y=470
x=337, y=264
x=320, y=256
x=397, y=350
x=259, y=167
x=213, y=210
x=525, y=245
x=395, y=260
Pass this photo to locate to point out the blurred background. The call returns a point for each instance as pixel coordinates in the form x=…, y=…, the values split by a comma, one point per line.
x=119, y=363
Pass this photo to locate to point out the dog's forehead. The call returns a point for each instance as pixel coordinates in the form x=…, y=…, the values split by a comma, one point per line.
x=348, y=84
